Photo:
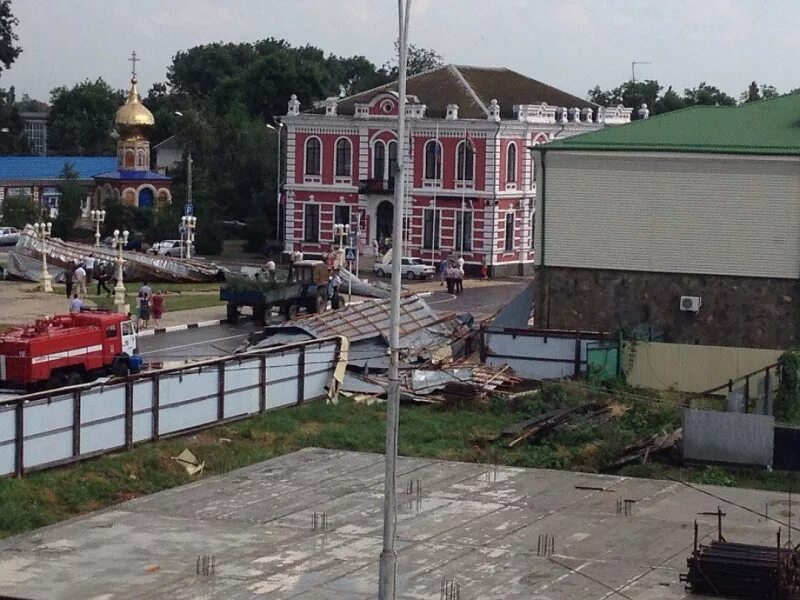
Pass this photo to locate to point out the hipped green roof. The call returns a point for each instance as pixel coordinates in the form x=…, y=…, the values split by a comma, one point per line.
x=768, y=127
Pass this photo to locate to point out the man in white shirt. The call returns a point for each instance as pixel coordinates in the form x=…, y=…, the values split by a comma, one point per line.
x=89, y=267
x=79, y=278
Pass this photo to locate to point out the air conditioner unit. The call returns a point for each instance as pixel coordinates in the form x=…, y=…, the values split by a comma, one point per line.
x=690, y=303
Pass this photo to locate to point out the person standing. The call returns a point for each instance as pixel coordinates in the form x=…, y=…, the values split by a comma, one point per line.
x=144, y=310
x=103, y=276
x=80, y=280
x=158, y=307
x=68, y=282
x=459, y=280
x=89, y=265
x=145, y=291
x=443, y=271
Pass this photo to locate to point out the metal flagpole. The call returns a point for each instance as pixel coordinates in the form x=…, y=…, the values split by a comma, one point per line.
x=387, y=576
x=464, y=191
x=435, y=225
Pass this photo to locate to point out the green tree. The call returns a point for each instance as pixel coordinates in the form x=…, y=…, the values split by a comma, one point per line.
x=19, y=211
x=81, y=120
x=69, y=205
x=707, y=95
x=752, y=93
x=9, y=51
x=12, y=129
x=769, y=91
x=671, y=100
x=418, y=61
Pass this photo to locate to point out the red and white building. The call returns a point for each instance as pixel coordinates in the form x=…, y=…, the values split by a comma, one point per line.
x=470, y=177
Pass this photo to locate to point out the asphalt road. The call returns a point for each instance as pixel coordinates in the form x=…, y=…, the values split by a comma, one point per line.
x=203, y=342
x=219, y=340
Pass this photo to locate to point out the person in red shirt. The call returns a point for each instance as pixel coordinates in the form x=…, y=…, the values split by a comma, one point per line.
x=158, y=307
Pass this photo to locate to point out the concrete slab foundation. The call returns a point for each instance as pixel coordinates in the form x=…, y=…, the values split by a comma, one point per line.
x=479, y=525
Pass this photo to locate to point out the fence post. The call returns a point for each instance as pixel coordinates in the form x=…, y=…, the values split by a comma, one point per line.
x=19, y=439
x=156, y=406
x=747, y=394
x=262, y=383
x=578, y=355
x=767, y=382
x=301, y=375
x=76, y=423
x=128, y=414
x=221, y=392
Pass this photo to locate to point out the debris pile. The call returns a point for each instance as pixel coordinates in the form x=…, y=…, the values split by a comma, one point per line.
x=541, y=425
x=732, y=570
x=25, y=261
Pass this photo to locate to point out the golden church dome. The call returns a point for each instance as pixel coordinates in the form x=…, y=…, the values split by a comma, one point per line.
x=133, y=114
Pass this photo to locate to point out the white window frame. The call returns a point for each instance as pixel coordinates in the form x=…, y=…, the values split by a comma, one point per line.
x=375, y=175
x=437, y=235
x=468, y=184
x=513, y=247
x=319, y=221
x=310, y=177
x=436, y=182
x=341, y=179
x=512, y=185
x=471, y=237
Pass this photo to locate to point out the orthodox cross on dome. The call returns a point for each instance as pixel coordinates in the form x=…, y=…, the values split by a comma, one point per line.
x=133, y=60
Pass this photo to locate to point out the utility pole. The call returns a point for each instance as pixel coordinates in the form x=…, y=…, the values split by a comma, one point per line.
x=633, y=78
x=387, y=576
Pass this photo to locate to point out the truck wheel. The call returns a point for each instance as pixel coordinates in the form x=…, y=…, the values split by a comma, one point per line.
x=232, y=314
x=119, y=368
x=55, y=381
x=74, y=378
x=319, y=304
x=411, y=275
x=290, y=310
x=260, y=314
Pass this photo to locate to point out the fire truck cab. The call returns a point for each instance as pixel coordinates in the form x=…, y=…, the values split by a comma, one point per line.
x=66, y=350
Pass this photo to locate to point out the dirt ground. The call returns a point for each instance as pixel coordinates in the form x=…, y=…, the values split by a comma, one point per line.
x=21, y=302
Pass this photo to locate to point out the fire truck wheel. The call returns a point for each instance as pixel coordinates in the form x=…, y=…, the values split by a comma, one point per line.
x=74, y=378
x=232, y=313
x=119, y=367
x=55, y=381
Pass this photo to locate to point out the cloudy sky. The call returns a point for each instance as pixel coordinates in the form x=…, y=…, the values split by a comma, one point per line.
x=571, y=44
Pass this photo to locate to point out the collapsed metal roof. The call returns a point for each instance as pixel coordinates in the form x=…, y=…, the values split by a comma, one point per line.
x=517, y=313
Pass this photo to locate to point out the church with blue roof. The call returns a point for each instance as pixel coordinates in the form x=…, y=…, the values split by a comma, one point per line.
x=126, y=177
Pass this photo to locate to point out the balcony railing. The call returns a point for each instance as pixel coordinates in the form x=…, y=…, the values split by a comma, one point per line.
x=376, y=186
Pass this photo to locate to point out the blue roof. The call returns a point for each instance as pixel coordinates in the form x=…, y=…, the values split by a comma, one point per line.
x=133, y=175
x=50, y=167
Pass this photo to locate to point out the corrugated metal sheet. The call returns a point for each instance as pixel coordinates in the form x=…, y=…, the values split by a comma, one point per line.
x=518, y=312
x=50, y=167
x=735, y=438
x=726, y=216
x=688, y=367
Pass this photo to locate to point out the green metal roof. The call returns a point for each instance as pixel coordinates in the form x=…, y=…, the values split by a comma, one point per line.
x=770, y=127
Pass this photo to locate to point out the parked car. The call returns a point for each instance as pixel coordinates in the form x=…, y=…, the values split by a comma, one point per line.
x=410, y=268
x=171, y=248
x=8, y=236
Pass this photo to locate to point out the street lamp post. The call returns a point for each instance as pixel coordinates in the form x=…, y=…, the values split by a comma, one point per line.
x=119, y=289
x=277, y=130
x=341, y=231
x=189, y=225
x=43, y=231
x=98, y=217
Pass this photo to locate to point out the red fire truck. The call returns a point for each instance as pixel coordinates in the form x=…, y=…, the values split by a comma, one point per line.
x=66, y=350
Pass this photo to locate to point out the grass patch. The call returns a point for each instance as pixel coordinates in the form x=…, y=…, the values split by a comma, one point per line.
x=172, y=303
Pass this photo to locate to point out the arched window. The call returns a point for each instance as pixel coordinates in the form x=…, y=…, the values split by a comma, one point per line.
x=343, y=157
x=511, y=163
x=465, y=169
x=313, y=156
x=433, y=160
x=392, y=159
x=378, y=160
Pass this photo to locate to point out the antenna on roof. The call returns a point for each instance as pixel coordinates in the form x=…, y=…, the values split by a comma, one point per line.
x=633, y=77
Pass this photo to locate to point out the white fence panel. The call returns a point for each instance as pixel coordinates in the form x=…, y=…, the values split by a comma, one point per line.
x=142, y=410
x=102, y=418
x=188, y=400
x=535, y=355
x=47, y=430
x=282, y=379
x=8, y=419
x=242, y=387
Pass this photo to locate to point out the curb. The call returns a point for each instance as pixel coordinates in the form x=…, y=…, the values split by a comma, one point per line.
x=172, y=328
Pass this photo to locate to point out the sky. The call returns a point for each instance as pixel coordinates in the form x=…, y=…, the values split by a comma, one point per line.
x=571, y=44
